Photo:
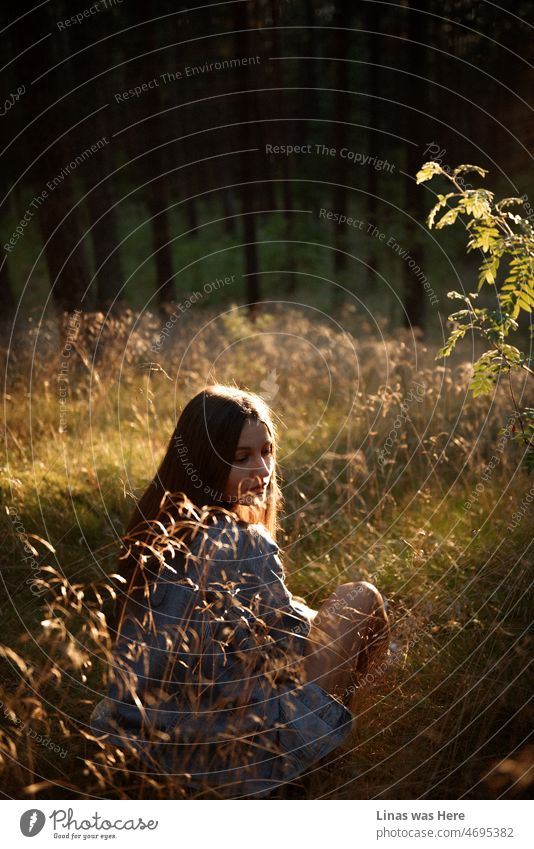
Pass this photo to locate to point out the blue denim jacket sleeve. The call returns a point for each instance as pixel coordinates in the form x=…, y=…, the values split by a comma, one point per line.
x=205, y=670
x=204, y=617
x=241, y=577
x=150, y=654
x=284, y=617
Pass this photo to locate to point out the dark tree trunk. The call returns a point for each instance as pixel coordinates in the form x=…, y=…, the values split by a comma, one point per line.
x=60, y=220
x=105, y=237
x=161, y=235
x=9, y=165
x=7, y=298
x=247, y=191
x=109, y=282
x=372, y=21
x=157, y=194
x=190, y=188
x=228, y=205
x=62, y=231
x=342, y=19
x=285, y=166
x=308, y=79
x=263, y=110
x=415, y=130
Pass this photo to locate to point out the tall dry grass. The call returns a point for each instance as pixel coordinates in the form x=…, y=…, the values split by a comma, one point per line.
x=382, y=448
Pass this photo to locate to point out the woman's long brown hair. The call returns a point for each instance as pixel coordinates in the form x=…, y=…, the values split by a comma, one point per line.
x=192, y=477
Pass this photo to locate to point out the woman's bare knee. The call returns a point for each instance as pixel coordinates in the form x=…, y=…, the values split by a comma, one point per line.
x=360, y=595
x=351, y=630
x=367, y=606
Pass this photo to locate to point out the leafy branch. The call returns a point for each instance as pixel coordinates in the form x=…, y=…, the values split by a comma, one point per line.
x=506, y=240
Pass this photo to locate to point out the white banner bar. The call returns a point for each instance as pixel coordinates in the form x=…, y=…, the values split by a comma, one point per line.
x=309, y=823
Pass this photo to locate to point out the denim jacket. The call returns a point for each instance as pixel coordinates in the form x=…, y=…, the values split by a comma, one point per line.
x=209, y=687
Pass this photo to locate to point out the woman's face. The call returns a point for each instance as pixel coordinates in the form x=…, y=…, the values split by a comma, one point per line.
x=253, y=465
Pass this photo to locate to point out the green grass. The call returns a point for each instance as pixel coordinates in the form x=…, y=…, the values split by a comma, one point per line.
x=457, y=580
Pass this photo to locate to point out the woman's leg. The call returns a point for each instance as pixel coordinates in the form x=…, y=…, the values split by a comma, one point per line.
x=349, y=632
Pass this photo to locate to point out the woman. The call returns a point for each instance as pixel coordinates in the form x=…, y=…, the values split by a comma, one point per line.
x=221, y=677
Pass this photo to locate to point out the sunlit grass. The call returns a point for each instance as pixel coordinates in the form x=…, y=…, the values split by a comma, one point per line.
x=457, y=580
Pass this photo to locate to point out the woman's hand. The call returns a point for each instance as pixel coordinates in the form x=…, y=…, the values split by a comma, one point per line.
x=299, y=602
